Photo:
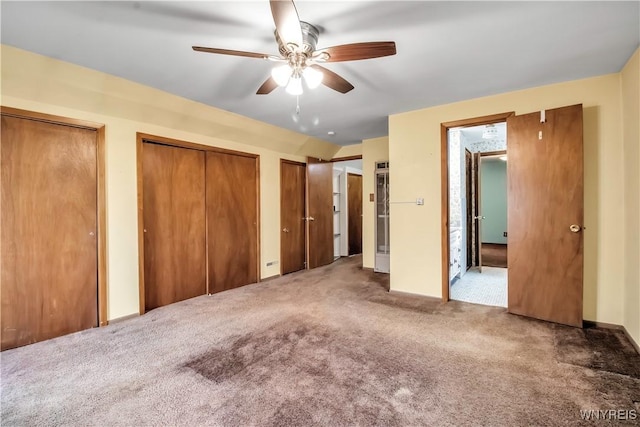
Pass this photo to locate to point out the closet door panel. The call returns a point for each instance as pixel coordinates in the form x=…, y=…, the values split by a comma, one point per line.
x=174, y=224
x=232, y=220
x=49, y=230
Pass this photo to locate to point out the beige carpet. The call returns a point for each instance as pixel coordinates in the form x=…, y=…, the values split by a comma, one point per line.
x=325, y=347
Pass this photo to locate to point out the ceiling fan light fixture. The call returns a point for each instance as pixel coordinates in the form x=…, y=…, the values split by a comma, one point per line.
x=295, y=86
x=312, y=77
x=281, y=74
x=297, y=41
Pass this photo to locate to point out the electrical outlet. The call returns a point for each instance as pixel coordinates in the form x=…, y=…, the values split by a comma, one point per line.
x=419, y=201
x=371, y=197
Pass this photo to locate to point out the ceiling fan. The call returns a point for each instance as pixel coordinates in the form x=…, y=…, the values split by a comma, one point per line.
x=299, y=57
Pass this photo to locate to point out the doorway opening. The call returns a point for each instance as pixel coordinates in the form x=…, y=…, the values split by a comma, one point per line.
x=477, y=213
x=347, y=208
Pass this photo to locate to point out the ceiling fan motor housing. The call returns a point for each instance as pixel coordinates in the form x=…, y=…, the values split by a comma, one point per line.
x=310, y=35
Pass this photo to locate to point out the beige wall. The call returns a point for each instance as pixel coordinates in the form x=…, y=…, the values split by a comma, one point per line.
x=630, y=89
x=414, y=156
x=373, y=150
x=37, y=83
x=349, y=150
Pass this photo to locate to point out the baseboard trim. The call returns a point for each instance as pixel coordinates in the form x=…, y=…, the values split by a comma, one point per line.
x=631, y=340
x=603, y=325
x=411, y=294
x=266, y=279
x=123, y=318
x=367, y=268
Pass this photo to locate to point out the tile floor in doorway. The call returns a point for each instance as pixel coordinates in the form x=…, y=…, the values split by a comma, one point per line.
x=487, y=288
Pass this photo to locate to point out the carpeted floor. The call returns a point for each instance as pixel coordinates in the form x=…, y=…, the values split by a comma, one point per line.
x=488, y=287
x=325, y=347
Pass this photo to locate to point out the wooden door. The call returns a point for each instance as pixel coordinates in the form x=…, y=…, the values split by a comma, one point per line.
x=545, y=211
x=468, y=167
x=232, y=220
x=174, y=224
x=292, y=214
x=479, y=217
x=354, y=197
x=319, y=212
x=49, y=230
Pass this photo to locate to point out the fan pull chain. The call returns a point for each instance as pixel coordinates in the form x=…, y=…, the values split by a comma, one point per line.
x=297, y=105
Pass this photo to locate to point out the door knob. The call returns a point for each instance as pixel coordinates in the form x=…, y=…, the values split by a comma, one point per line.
x=575, y=228
x=479, y=217
x=311, y=218
x=286, y=230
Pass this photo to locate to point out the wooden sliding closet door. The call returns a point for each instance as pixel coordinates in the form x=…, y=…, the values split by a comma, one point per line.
x=174, y=224
x=49, y=230
x=232, y=220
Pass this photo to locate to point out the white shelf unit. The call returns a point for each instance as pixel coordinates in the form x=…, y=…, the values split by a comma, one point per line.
x=337, y=203
x=382, y=263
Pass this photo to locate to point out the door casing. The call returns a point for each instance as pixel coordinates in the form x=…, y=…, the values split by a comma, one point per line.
x=444, y=185
x=101, y=248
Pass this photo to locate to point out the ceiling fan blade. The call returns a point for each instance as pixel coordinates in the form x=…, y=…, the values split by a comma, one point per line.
x=356, y=51
x=231, y=52
x=333, y=80
x=285, y=16
x=267, y=87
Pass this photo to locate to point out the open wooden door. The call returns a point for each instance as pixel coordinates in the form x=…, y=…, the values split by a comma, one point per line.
x=468, y=167
x=319, y=212
x=292, y=216
x=478, y=217
x=545, y=210
x=354, y=197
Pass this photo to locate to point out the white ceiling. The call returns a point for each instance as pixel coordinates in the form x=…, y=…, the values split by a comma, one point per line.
x=447, y=51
